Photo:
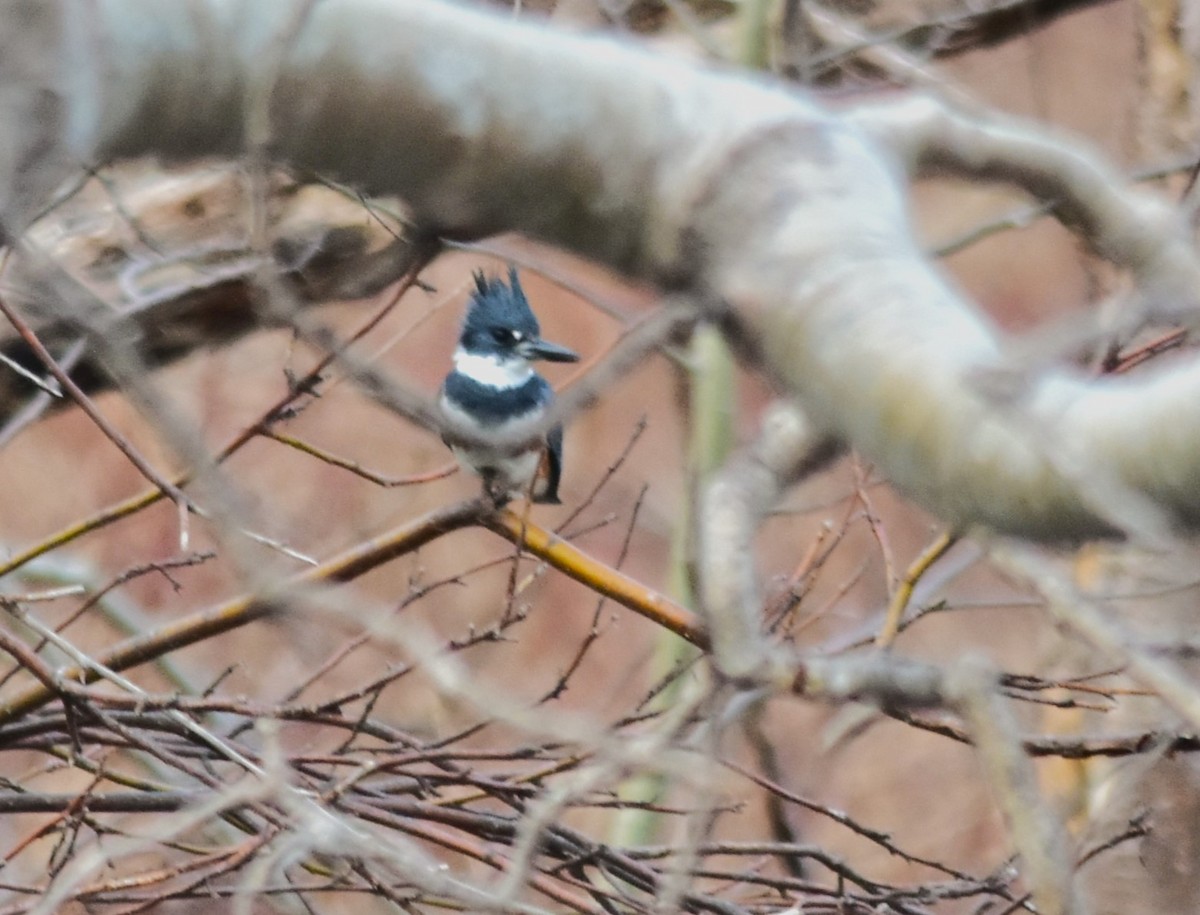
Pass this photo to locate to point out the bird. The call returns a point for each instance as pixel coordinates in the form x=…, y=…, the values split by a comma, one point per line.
x=493, y=388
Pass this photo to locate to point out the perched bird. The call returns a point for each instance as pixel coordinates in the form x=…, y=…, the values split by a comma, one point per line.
x=493, y=388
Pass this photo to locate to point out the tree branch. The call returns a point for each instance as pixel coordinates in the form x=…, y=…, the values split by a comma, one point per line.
x=722, y=194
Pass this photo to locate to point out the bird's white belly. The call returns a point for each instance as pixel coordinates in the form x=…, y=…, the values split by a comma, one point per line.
x=504, y=473
x=508, y=473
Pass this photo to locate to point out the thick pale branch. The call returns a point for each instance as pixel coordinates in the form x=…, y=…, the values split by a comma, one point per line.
x=743, y=192
x=1036, y=832
x=1137, y=232
x=733, y=505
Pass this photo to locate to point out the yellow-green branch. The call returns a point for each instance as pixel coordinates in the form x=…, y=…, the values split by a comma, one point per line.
x=361, y=559
x=601, y=578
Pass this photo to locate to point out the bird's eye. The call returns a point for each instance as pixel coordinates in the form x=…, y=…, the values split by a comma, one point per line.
x=504, y=336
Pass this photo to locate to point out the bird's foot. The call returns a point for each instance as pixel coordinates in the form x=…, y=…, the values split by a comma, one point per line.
x=499, y=495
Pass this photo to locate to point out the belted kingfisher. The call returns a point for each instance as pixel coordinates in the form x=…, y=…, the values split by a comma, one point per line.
x=493, y=386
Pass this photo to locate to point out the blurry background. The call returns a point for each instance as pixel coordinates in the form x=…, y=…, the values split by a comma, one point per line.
x=837, y=546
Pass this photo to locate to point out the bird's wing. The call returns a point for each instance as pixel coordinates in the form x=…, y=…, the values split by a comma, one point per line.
x=554, y=444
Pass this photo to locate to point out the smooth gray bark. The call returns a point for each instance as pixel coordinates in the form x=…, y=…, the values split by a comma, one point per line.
x=732, y=189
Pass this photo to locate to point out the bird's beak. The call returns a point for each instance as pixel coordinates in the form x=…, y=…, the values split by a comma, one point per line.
x=551, y=352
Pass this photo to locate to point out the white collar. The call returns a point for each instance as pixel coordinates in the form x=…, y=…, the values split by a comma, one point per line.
x=494, y=371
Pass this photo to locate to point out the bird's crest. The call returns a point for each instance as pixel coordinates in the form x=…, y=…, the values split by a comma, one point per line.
x=495, y=303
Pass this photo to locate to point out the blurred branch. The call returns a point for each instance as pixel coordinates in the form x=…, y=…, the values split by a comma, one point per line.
x=889, y=58
x=992, y=24
x=357, y=469
x=732, y=505
x=969, y=688
x=782, y=224
x=1087, y=195
x=300, y=387
x=1083, y=617
x=943, y=35
x=1084, y=746
x=174, y=260
x=194, y=628
x=362, y=558
x=1037, y=835
x=167, y=488
x=880, y=351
